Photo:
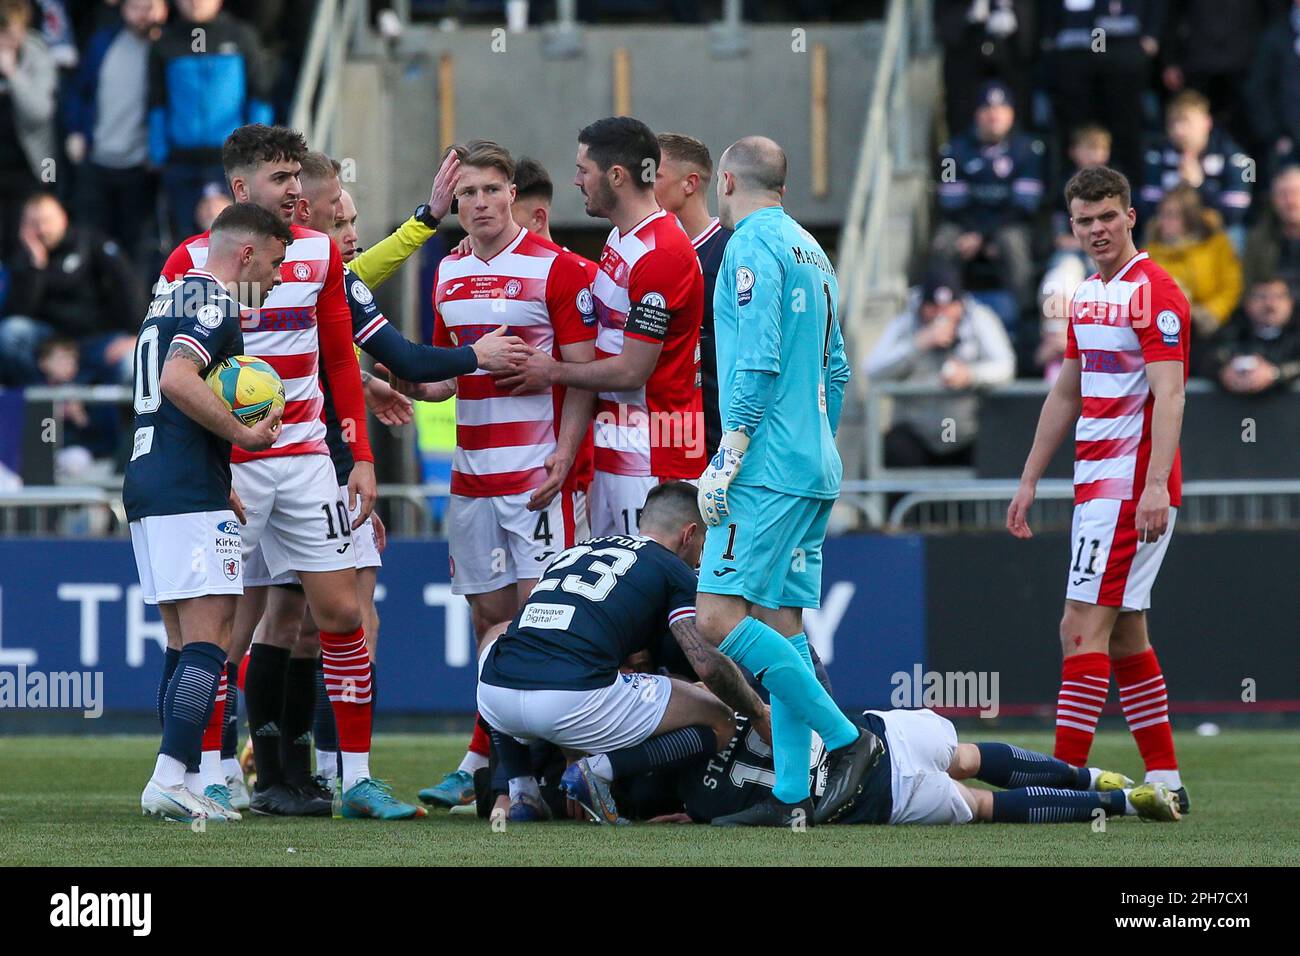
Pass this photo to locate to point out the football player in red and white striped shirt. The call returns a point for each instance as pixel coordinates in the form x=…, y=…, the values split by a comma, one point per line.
x=1121, y=387
x=531, y=210
x=649, y=297
x=504, y=525
x=292, y=506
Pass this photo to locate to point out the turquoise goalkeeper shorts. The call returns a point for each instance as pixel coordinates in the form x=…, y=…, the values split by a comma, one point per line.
x=768, y=550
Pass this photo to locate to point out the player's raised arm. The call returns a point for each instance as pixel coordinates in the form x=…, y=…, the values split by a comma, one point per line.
x=377, y=264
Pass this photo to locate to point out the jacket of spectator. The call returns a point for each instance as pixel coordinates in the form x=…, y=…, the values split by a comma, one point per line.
x=1228, y=176
x=197, y=99
x=1272, y=92
x=89, y=287
x=980, y=343
x=1070, y=26
x=991, y=183
x=88, y=90
x=1200, y=41
x=1241, y=338
x=1206, y=269
x=31, y=93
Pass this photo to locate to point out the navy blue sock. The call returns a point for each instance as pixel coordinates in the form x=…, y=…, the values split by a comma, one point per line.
x=1045, y=805
x=191, y=695
x=323, y=729
x=230, y=732
x=666, y=750
x=513, y=760
x=171, y=657
x=1005, y=765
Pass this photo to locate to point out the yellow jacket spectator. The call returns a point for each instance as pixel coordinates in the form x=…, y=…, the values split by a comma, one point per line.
x=1188, y=241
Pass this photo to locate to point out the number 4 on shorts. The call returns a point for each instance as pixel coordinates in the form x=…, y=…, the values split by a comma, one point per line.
x=543, y=530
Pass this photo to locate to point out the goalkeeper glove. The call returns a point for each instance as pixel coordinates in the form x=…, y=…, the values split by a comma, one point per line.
x=718, y=476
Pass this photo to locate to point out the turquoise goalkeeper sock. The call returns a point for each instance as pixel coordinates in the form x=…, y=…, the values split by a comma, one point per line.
x=774, y=661
x=791, y=741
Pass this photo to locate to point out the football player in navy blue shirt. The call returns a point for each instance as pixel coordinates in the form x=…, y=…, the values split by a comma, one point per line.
x=682, y=187
x=555, y=672
x=183, y=515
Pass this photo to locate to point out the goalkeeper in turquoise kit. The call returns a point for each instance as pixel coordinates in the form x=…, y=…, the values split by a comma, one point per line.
x=768, y=491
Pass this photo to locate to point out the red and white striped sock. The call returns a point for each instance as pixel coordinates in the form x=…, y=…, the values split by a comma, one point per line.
x=1085, y=684
x=1145, y=701
x=479, y=750
x=345, y=662
x=210, y=758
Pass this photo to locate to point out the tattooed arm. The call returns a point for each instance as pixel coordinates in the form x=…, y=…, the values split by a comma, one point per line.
x=182, y=383
x=718, y=671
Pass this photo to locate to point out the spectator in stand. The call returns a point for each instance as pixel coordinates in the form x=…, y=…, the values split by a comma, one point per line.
x=89, y=431
x=991, y=185
x=215, y=198
x=1273, y=246
x=197, y=97
x=1259, y=349
x=1211, y=53
x=28, y=88
x=1089, y=146
x=948, y=341
x=106, y=114
x=1272, y=91
x=1091, y=84
x=984, y=40
x=1196, y=152
x=1188, y=241
x=70, y=281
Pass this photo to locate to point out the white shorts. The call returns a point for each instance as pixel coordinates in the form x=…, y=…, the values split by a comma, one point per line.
x=294, y=513
x=258, y=575
x=495, y=542
x=624, y=714
x=1108, y=565
x=617, y=500
x=363, y=539
x=921, y=747
x=188, y=555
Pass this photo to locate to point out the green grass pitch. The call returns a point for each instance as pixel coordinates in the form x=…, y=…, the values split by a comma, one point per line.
x=75, y=801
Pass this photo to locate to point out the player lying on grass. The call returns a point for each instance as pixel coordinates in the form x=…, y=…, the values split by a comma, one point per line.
x=918, y=780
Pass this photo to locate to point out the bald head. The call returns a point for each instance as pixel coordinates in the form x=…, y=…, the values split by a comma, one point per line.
x=758, y=164
x=751, y=176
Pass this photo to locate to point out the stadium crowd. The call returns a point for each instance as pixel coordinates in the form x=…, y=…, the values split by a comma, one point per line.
x=1194, y=105
x=105, y=167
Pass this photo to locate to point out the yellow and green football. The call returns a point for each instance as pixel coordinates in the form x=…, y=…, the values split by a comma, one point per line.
x=249, y=387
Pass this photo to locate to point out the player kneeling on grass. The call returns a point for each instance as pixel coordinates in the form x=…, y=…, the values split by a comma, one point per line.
x=177, y=489
x=553, y=672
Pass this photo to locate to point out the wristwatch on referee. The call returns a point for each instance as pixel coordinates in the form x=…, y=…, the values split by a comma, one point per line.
x=423, y=214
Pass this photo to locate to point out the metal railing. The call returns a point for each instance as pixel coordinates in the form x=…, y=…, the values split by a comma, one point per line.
x=884, y=145
x=316, y=98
